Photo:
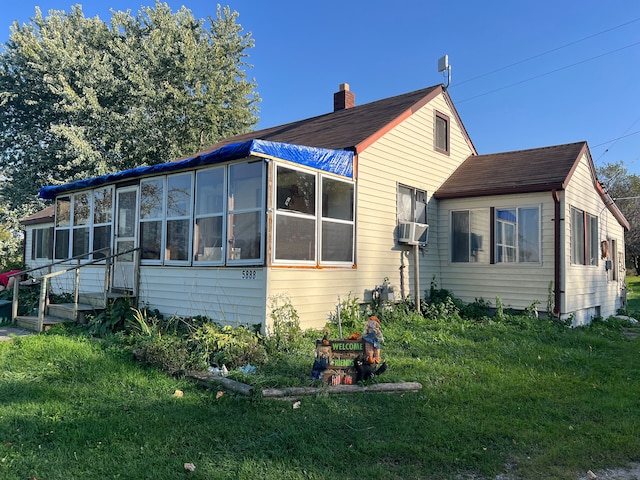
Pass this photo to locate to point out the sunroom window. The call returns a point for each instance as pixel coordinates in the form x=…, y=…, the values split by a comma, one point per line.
x=314, y=219
x=245, y=212
x=151, y=218
x=63, y=225
x=337, y=220
x=179, y=191
x=209, y=217
x=295, y=215
x=102, y=218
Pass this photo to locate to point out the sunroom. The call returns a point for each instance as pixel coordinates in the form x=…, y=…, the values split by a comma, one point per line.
x=249, y=205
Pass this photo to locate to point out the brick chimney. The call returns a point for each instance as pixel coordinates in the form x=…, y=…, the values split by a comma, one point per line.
x=343, y=98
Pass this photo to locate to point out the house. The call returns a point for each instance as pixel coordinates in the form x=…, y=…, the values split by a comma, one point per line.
x=330, y=206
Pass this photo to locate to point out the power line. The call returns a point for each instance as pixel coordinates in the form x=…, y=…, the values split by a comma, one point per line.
x=547, y=52
x=548, y=73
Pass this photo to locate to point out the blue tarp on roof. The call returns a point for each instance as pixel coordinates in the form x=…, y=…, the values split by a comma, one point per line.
x=339, y=162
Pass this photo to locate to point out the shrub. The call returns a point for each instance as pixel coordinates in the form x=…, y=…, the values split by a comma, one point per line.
x=233, y=347
x=285, y=334
x=351, y=316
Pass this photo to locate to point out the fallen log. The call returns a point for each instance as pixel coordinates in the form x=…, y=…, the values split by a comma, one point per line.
x=206, y=379
x=335, y=389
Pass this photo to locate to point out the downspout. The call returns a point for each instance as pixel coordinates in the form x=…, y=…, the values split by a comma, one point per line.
x=556, y=253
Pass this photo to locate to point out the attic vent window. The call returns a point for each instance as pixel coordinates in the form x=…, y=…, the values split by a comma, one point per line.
x=441, y=133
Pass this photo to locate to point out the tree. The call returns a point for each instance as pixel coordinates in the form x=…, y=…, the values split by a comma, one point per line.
x=624, y=188
x=80, y=97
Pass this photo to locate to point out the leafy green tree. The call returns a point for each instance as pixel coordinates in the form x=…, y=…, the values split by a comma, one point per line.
x=80, y=97
x=624, y=188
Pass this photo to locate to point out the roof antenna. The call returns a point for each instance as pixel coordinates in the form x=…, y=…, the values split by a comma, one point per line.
x=443, y=65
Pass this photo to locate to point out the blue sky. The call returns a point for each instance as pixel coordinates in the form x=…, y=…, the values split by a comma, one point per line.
x=524, y=74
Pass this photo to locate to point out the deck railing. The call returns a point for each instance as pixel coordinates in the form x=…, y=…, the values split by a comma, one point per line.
x=108, y=260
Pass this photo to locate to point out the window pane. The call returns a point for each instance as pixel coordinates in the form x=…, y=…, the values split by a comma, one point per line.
x=179, y=195
x=244, y=236
x=102, y=205
x=441, y=133
x=63, y=212
x=80, y=241
x=577, y=237
x=337, y=242
x=151, y=195
x=506, y=236
x=210, y=191
x=81, y=209
x=592, y=239
x=420, y=210
x=460, y=237
x=126, y=214
x=62, y=244
x=177, y=240
x=150, y=240
x=296, y=191
x=209, y=239
x=101, y=239
x=337, y=199
x=245, y=186
x=295, y=238
x=405, y=204
x=528, y=235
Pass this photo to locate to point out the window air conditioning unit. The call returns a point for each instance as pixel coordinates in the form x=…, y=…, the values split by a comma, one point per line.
x=413, y=233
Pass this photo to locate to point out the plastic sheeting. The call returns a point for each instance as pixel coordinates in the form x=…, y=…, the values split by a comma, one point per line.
x=339, y=162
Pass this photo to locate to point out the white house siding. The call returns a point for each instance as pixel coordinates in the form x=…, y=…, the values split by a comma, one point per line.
x=588, y=289
x=405, y=155
x=230, y=296
x=313, y=292
x=518, y=285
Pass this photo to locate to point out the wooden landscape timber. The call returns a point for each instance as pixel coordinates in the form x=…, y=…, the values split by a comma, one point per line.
x=335, y=389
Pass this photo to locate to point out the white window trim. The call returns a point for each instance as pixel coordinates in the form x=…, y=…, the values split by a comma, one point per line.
x=319, y=221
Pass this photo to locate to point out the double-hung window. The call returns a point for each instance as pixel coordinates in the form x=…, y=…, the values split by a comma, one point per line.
x=517, y=235
x=470, y=230
x=584, y=238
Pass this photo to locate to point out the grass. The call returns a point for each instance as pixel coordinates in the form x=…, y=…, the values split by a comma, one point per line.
x=527, y=397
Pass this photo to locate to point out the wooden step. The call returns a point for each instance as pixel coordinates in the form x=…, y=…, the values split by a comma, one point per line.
x=31, y=322
x=96, y=299
x=65, y=311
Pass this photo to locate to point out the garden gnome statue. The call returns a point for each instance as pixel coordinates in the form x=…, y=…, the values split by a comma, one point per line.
x=372, y=338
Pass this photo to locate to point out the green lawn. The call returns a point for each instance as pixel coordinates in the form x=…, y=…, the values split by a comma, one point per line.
x=527, y=397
